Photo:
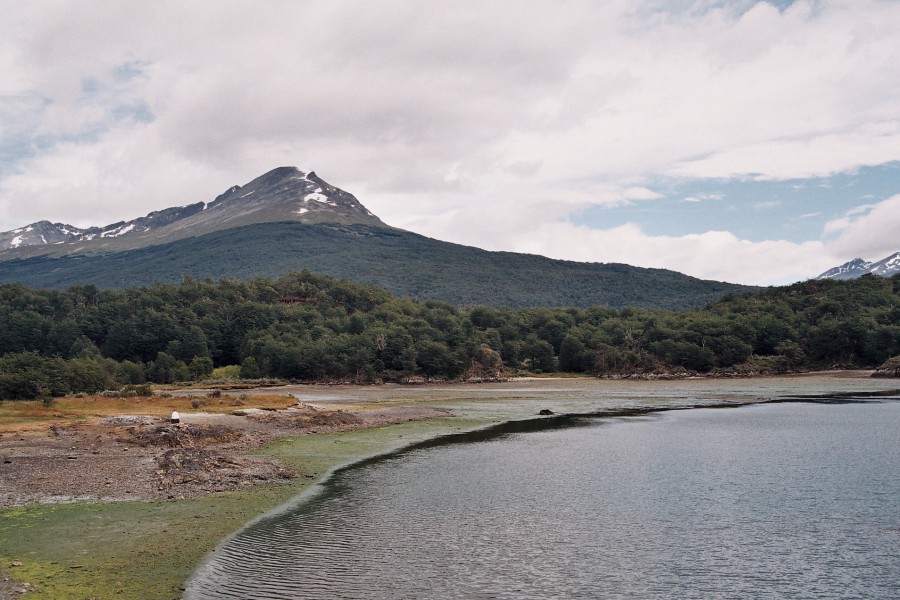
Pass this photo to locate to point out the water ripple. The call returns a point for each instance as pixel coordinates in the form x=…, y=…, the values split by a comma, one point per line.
x=775, y=501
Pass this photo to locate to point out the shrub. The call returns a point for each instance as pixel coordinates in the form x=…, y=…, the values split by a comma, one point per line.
x=142, y=390
x=226, y=372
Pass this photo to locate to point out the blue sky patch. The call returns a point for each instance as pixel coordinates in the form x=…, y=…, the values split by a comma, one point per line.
x=793, y=209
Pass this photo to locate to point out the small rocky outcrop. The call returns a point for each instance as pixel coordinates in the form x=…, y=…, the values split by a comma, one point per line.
x=213, y=471
x=179, y=436
x=890, y=368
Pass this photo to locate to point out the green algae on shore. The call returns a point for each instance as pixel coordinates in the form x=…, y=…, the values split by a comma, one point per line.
x=141, y=549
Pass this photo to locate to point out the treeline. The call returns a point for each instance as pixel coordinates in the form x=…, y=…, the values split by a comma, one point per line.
x=307, y=327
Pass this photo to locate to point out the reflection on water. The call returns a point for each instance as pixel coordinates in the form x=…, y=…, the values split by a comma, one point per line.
x=797, y=500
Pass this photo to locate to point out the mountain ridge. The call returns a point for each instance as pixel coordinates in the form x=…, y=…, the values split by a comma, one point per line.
x=286, y=192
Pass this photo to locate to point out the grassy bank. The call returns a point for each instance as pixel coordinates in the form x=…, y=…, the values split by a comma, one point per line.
x=147, y=550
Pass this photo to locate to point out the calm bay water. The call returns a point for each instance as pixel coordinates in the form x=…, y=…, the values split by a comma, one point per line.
x=782, y=500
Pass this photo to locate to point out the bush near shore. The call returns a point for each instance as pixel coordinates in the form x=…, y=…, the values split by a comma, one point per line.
x=304, y=327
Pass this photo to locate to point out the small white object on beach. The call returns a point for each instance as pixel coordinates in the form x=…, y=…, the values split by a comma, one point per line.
x=176, y=418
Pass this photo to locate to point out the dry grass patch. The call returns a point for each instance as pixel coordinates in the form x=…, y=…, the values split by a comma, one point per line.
x=26, y=415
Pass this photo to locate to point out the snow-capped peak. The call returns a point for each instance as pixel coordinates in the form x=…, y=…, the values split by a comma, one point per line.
x=858, y=267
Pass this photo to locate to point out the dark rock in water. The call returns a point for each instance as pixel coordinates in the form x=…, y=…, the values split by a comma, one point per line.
x=545, y=411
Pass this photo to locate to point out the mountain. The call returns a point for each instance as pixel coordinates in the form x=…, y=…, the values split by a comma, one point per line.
x=290, y=220
x=849, y=270
x=886, y=267
x=283, y=194
x=45, y=233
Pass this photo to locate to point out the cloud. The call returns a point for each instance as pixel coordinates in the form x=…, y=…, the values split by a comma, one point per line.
x=640, y=193
x=766, y=204
x=868, y=231
x=815, y=156
x=91, y=184
x=844, y=222
x=464, y=115
x=695, y=198
x=717, y=255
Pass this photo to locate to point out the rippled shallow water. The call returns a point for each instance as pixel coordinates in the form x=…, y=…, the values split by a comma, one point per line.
x=787, y=500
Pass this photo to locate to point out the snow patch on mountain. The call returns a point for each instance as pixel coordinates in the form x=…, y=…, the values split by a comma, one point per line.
x=118, y=231
x=318, y=196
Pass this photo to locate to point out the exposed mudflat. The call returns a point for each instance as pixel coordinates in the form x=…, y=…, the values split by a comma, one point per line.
x=130, y=457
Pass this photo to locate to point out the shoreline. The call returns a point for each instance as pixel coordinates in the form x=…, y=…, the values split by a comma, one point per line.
x=110, y=559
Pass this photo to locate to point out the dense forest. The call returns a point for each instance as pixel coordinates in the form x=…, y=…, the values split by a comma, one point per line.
x=307, y=327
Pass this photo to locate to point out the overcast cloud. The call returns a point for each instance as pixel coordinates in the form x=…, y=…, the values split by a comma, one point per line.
x=492, y=124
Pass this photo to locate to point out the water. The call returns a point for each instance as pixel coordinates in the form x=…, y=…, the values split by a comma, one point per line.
x=786, y=500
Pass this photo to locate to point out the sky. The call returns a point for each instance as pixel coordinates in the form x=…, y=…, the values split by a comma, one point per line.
x=736, y=140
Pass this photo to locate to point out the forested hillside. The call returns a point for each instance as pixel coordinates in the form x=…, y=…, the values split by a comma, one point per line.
x=307, y=327
x=404, y=263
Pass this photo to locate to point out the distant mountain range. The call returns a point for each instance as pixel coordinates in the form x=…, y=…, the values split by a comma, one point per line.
x=289, y=220
x=886, y=267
